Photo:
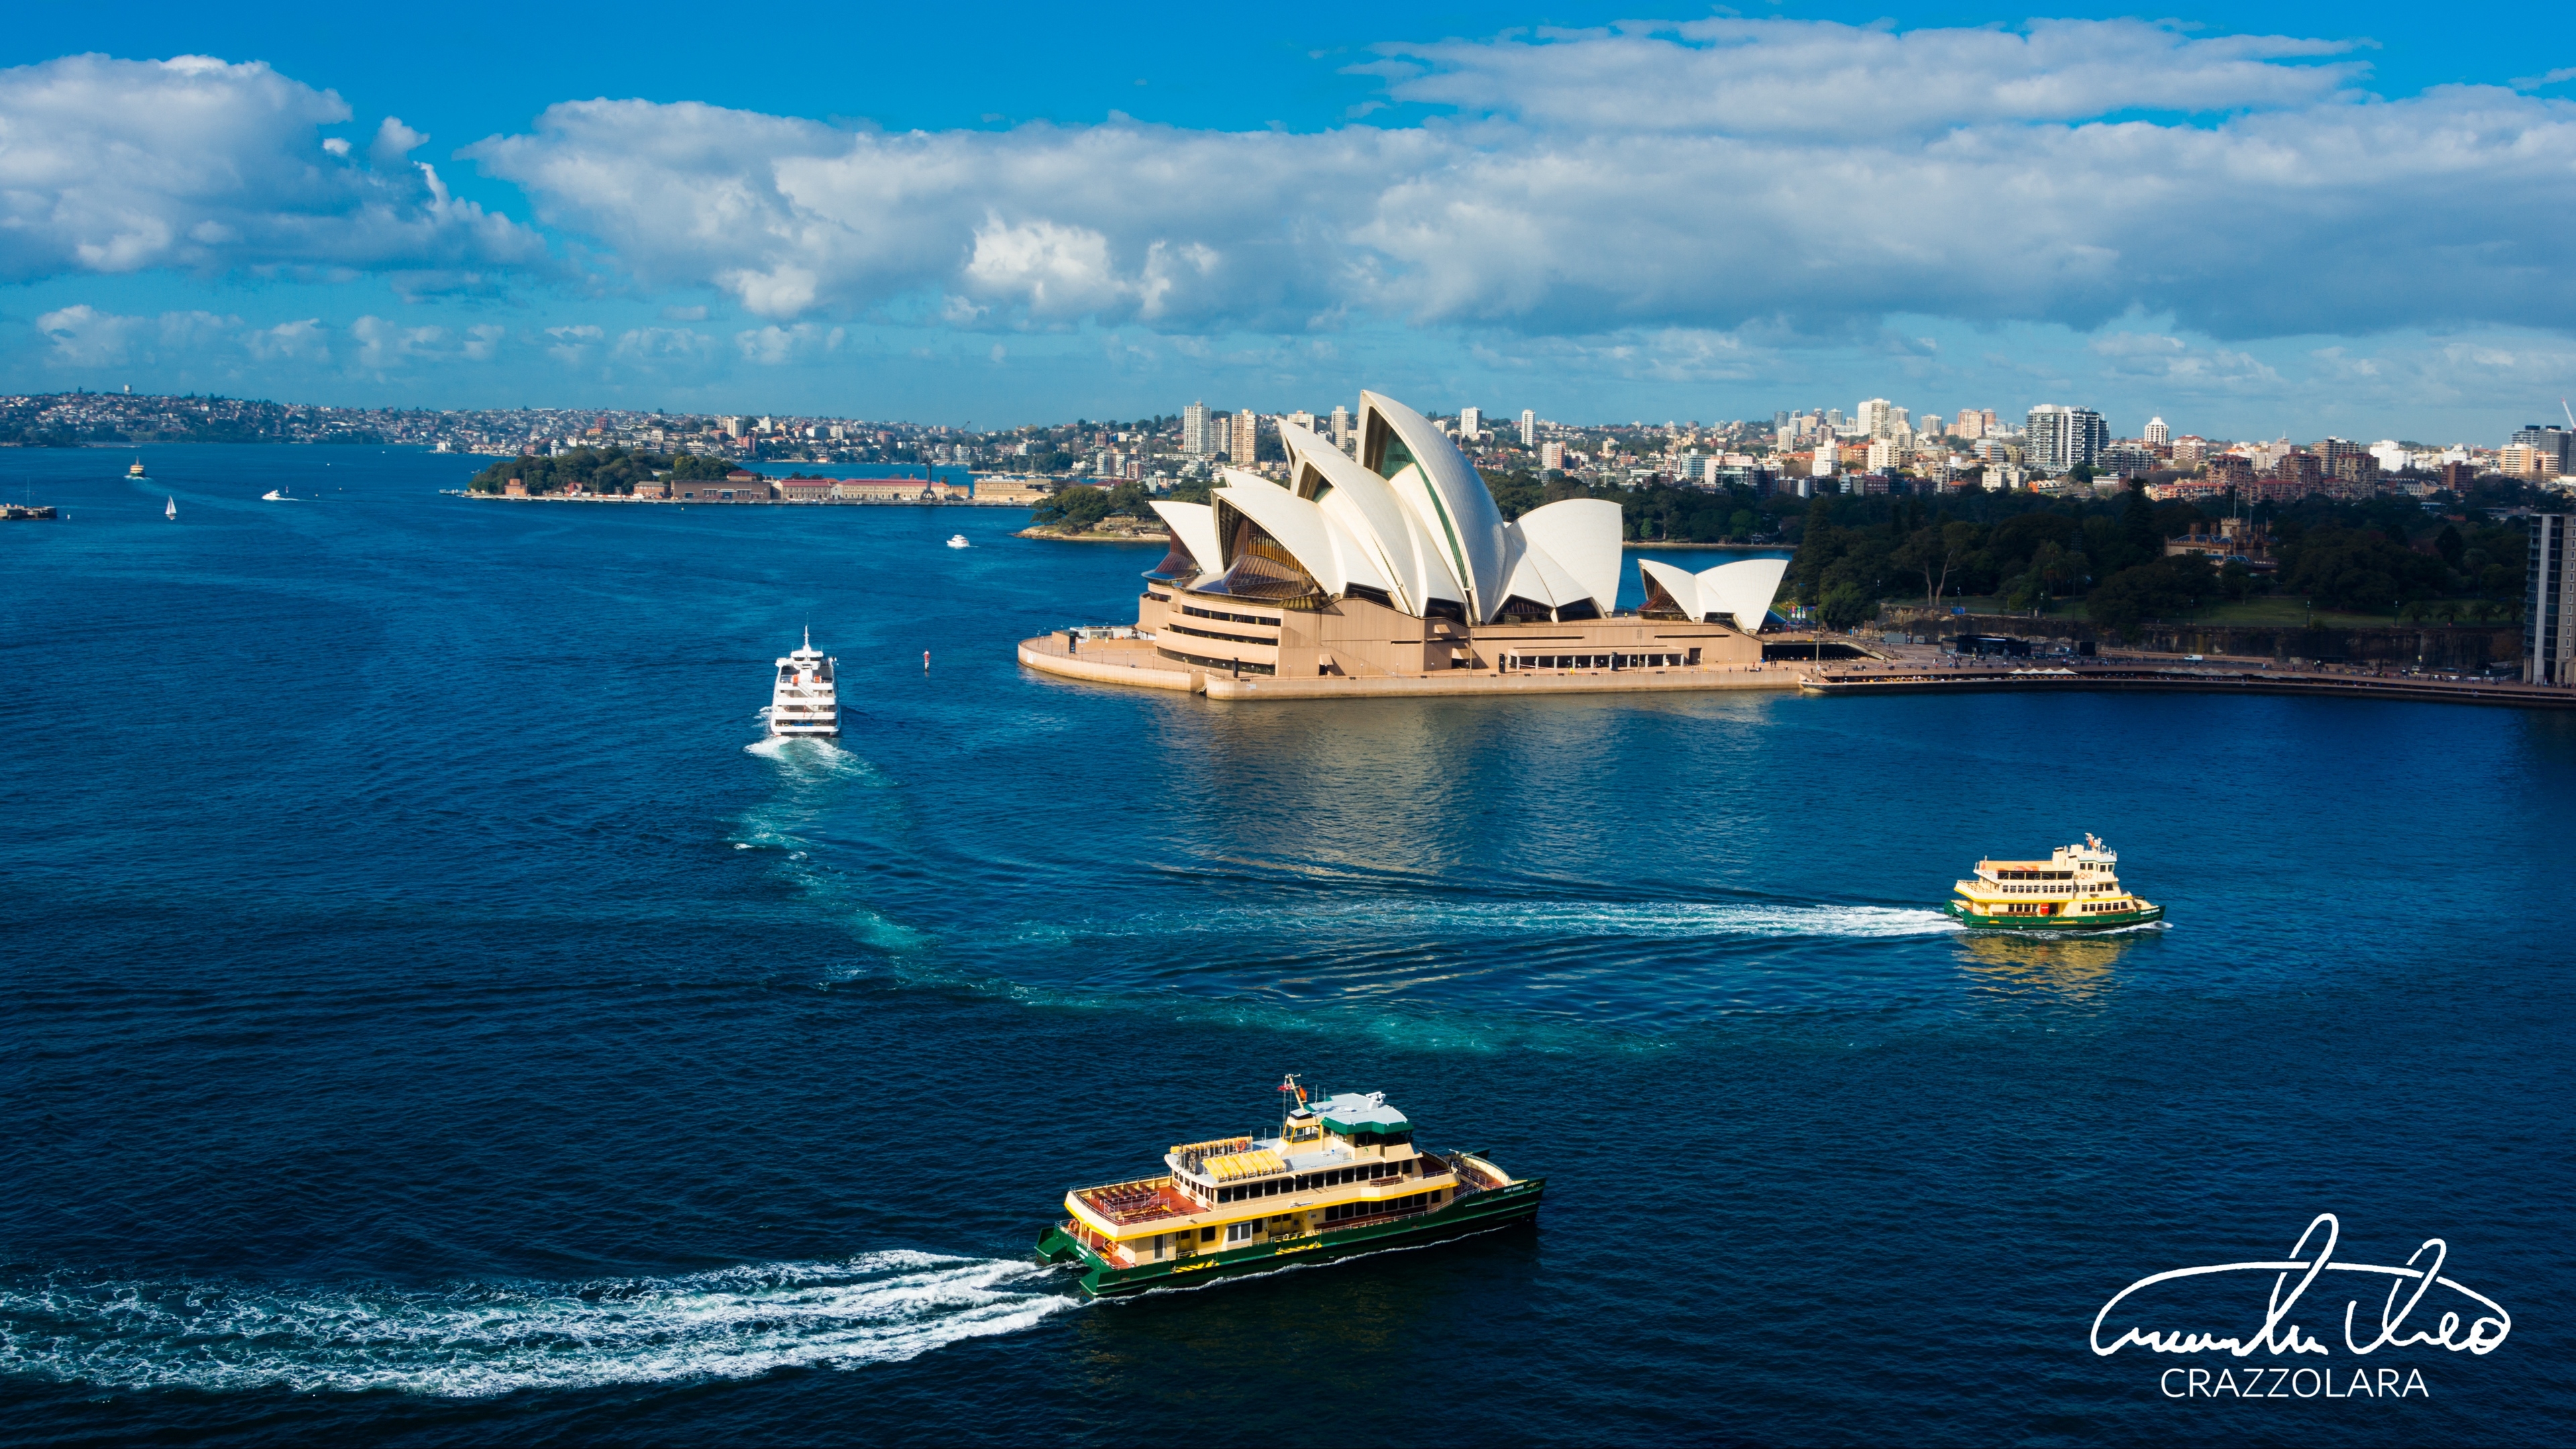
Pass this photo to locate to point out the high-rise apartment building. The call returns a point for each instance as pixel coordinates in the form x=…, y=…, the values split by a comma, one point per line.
x=2157, y=434
x=1529, y=427
x=2060, y=438
x=1551, y=457
x=1220, y=433
x=1874, y=418
x=1304, y=420
x=2549, y=602
x=1342, y=429
x=1194, y=430
x=1471, y=424
x=1247, y=432
x=1970, y=426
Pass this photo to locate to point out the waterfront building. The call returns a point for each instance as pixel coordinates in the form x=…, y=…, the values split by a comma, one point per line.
x=2549, y=602
x=1397, y=563
x=1529, y=427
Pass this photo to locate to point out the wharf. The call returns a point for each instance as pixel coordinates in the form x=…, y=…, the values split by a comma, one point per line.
x=2136, y=676
x=1135, y=664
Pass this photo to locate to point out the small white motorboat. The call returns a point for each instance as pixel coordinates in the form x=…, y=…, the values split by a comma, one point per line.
x=958, y=540
x=275, y=496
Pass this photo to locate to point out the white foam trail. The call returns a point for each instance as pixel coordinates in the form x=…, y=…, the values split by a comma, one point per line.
x=480, y=1339
x=1453, y=919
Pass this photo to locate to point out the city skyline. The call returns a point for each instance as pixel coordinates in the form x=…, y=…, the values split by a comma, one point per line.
x=1577, y=221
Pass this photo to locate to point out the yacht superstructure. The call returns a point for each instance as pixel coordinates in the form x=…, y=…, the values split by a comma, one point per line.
x=2076, y=889
x=1342, y=1176
x=806, y=699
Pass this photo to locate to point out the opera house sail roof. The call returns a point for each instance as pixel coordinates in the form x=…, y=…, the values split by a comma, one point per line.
x=1408, y=524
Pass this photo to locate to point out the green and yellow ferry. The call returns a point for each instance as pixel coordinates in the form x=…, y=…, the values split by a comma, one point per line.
x=1342, y=1177
x=2076, y=889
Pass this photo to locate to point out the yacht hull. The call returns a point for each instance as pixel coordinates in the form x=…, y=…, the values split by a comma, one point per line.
x=2106, y=922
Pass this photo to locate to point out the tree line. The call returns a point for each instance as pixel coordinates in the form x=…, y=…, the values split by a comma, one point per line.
x=611, y=469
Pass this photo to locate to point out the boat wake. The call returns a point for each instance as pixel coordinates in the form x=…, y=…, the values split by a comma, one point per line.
x=475, y=1340
x=1451, y=920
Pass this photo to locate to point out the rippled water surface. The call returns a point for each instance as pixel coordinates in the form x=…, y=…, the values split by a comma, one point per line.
x=431, y=1012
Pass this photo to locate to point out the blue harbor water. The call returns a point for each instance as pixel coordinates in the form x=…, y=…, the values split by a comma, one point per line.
x=429, y=1013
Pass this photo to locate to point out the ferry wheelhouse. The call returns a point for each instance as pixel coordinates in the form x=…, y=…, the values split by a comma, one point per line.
x=805, y=700
x=2076, y=889
x=1343, y=1176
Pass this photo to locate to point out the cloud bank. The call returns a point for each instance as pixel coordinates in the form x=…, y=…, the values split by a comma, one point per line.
x=1742, y=182
x=1808, y=176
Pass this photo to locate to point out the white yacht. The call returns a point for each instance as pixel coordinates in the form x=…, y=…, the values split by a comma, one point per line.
x=805, y=700
x=958, y=540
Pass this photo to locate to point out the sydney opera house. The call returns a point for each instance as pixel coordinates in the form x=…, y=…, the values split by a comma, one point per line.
x=1396, y=565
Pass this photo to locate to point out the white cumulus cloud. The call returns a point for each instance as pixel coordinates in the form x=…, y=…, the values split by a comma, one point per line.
x=194, y=163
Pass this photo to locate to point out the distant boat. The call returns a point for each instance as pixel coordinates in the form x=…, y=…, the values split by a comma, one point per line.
x=279, y=495
x=958, y=540
x=169, y=508
x=134, y=474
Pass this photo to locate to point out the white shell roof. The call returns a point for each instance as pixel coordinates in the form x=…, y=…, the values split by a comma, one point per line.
x=1743, y=589
x=1429, y=533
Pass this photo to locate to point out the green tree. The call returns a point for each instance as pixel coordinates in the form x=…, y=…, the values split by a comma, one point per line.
x=2453, y=548
x=1075, y=508
x=1935, y=550
x=2127, y=599
x=1846, y=605
x=2140, y=539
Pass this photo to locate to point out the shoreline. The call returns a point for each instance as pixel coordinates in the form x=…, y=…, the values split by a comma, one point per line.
x=2148, y=675
x=737, y=502
x=1157, y=540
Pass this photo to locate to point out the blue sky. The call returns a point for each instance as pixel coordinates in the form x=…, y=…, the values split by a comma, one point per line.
x=2275, y=219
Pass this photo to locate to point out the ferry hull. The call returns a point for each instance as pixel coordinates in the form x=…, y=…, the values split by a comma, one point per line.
x=2107, y=922
x=1100, y=1279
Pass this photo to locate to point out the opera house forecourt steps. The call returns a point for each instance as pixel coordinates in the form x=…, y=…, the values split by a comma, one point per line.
x=1395, y=574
